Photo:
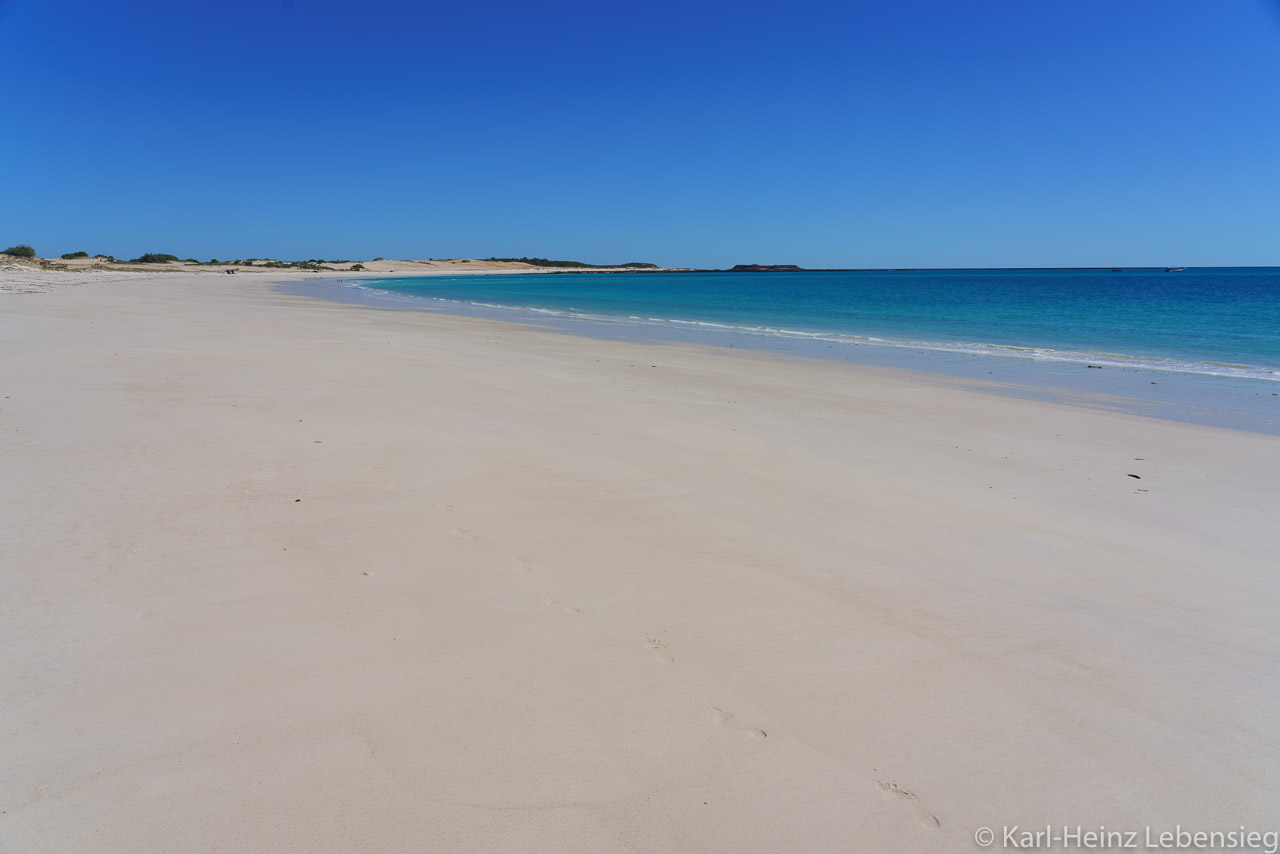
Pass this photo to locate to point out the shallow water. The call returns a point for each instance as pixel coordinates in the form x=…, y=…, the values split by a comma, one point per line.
x=1201, y=346
x=1218, y=321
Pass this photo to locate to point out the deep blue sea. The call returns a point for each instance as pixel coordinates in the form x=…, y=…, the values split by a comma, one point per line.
x=1213, y=321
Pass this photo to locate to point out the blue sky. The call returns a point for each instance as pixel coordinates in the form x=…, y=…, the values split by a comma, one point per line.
x=855, y=134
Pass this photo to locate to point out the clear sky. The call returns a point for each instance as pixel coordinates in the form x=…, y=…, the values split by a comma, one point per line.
x=860, y=133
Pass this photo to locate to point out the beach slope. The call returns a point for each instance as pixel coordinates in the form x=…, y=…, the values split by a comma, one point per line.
x=284, y=575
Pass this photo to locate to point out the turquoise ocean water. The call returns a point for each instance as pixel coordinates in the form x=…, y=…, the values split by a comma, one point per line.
x=1201, y=345
x=1214, y=321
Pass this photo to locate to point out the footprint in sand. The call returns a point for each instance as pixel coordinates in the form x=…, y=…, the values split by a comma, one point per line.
x=520, y=562
x=660, y=647
x=466, y=535
x=725, y=719
x=447, y=508
x=895, y=792
x=556, y=603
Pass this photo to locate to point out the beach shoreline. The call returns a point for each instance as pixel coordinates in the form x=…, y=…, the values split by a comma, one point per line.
x=291, y=575
x=1240, y=403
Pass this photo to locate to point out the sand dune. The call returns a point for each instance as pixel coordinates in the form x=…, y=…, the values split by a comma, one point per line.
x=415, y=267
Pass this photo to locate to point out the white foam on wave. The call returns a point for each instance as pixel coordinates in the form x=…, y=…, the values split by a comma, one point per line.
x=1118, y=360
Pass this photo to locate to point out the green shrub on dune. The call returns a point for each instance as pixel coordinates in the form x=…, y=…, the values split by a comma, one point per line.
x=545, y=262
x=68, y=256
x=22, y=250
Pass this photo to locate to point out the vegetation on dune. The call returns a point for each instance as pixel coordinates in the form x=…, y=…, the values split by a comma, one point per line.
x=544, y=262
x=295, y=265
x=22, y=250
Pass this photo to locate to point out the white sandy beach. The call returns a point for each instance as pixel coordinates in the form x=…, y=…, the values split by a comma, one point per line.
x=282, y=575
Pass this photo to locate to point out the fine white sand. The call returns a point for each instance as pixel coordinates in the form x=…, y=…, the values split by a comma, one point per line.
x=281, y=575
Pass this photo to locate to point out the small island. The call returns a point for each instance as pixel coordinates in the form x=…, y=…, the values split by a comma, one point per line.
x=765, y=268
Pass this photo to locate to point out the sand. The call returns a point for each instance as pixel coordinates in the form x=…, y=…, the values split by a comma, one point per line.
x=381, y=266
x=282, y=575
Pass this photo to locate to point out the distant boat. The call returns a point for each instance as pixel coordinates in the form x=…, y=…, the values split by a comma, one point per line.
x=1116, y=270
x=1174, y=269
